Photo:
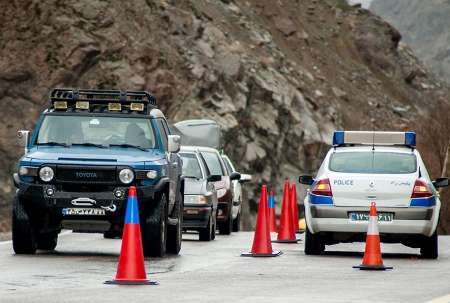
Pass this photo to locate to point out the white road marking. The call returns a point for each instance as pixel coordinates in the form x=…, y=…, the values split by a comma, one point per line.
x=444, y=299
x=64, y=233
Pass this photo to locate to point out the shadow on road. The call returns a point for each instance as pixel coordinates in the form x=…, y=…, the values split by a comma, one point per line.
x=361, y=254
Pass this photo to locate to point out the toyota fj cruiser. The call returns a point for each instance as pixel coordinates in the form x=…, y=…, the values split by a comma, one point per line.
x=87, y=148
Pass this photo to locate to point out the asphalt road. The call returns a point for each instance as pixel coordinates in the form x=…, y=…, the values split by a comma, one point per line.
x=214, y=272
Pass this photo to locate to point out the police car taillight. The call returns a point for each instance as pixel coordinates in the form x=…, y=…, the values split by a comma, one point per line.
x=322, y=188
x=421, y=190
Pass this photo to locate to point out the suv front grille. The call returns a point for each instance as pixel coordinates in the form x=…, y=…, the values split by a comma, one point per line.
x=86, y=174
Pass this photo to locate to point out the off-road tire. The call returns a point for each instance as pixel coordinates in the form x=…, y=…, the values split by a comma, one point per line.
x=237, y=223
x=23, y=235
x=47, y=241
x=205, y=234
x=314, y=244
x=429, y=247
x=174, y=232
x=154, y=230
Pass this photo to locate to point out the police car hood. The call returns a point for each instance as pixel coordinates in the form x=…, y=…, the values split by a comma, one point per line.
x=92, y=154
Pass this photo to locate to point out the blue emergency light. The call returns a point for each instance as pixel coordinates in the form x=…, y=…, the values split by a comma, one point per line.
x=341, y=138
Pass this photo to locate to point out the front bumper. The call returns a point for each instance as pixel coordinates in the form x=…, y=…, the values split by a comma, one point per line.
x=196, y=217
x=411, y=220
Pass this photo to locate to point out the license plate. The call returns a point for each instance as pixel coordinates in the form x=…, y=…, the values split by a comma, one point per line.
x=83, y=212
x=364, y=216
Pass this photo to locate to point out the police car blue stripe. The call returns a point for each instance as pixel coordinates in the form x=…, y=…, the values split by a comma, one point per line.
x=423, y=202
x=323, y=200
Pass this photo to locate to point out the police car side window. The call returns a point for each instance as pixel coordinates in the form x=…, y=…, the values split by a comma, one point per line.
x=163, y=132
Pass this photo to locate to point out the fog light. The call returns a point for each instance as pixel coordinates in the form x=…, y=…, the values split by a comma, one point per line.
x=118, y=193
x=50, y=191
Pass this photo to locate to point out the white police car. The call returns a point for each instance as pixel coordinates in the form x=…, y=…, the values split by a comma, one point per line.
x=364, y=167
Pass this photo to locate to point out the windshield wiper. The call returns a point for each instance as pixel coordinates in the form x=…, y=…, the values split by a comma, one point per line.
x=129, y=145
x=52, y=143
x=90, y=144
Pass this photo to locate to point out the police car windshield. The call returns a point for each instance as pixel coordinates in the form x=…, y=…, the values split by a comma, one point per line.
x=191, y=167
x=101, y=131
x=373, y=163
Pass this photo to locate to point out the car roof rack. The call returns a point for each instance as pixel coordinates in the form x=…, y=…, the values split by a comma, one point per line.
x=101, y=96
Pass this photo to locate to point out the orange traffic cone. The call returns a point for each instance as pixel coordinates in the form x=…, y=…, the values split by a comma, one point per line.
x=294, y=208
x=286, y=232
x=372, y=256
x=131, y=268
x=262, y=246
x=272, y=216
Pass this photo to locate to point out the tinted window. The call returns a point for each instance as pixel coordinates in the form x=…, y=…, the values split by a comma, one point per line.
x=373, y=163
x=213, y=162
x=191, y=167
x=97, y=130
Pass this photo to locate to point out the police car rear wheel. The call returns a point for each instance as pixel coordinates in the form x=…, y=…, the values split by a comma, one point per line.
x=313, y=243
x=23, y=235
x=429, y=247
x=154, y=230
x=47, y=241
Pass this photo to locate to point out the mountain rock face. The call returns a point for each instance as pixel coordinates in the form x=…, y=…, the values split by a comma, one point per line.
x=278, y=76
x=424, y=26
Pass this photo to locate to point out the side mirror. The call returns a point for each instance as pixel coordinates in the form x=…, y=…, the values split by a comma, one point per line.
x=307, y=180
x=235, y=176
x=440, y=182
x=174, y=143
x=245, y=178
x=214, y=178
x=23, y=138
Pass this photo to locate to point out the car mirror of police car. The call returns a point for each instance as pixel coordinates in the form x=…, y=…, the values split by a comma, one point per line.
x=235, y=176
x=305, y=179
x=214, y=178
x=441, y=182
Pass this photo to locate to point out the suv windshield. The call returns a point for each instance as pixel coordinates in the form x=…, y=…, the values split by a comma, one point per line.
x=191, y=167
x=373, y=163
x=213, y=162
x=102, y=131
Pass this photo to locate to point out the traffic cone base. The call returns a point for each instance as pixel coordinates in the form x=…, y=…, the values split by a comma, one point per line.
x=286, y=241
x=125, y=282
x=372, y=267
x=275, y=253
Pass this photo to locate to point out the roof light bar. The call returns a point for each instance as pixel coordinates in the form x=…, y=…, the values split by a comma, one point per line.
x=374, y=138
x=60, y=105
x=139, y=107
x=114, y=107
x=82, y=105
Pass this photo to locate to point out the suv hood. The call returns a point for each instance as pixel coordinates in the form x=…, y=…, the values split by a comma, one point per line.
x=117, y=155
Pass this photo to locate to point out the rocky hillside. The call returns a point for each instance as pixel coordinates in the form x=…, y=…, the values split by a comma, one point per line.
x=279, y=76
x=425, y=26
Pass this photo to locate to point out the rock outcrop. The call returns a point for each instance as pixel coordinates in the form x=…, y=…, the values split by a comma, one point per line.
x=278, y=76
x=424, y=25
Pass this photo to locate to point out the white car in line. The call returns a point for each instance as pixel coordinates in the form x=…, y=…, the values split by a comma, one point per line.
x=365, y=167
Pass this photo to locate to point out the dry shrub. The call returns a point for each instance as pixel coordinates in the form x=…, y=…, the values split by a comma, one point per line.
x=433, y=135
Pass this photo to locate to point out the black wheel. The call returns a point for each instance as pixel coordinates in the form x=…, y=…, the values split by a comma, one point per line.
x=23, y=235
x=237, y=223
x=174, y=232
x=226, y=227
x=429, y=247
x=113, y=233
x=313, y=243
x=47, y=241
x=214, y=229
x=205, y=234
x=154, y=230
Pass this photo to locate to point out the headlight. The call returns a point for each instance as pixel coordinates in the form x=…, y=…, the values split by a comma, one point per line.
x=28, y=171
x=221, y=192
x=152, y=174
x=46, y=174
x=126, y=176
x=195, y=199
